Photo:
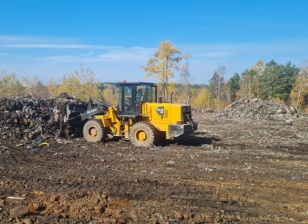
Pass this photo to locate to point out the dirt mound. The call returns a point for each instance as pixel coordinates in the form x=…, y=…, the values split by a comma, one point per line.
x=256, y=108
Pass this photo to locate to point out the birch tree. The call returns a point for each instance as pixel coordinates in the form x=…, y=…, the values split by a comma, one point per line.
x=299, y=93
x=164, y=63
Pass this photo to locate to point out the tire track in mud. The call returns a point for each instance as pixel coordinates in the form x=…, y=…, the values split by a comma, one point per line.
x=173, y=175
x=66, y=171
x=242, y=178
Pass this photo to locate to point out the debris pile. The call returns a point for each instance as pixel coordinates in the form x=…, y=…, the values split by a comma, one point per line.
x=256, y=108
x=30, y=121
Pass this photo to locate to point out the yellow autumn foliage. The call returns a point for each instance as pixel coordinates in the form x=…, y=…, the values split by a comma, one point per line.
x=163, y=64
x=299, y=93
x=10, y=86
x=80, y=84
x=203, y=99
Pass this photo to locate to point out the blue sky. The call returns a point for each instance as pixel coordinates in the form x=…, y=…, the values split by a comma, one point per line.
x=51, y=38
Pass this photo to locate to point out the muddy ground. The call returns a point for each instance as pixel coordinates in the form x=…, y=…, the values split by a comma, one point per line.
x=232, y=170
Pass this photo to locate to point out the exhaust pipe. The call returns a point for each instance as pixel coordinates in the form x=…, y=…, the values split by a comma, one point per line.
x=171, y=97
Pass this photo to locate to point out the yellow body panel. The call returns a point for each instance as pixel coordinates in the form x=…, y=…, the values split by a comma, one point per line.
x=162, y=114
x=111, y=121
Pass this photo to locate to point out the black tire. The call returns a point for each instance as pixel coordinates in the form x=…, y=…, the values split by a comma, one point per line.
x=142, y=134
x=93, y=131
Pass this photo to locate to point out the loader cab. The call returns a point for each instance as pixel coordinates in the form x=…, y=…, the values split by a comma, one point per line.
x=133, y=95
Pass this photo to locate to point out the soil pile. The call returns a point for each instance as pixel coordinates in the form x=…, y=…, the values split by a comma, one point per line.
x=256, y=108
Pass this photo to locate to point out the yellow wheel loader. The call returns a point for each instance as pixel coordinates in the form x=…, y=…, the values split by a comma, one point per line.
x=139, y=117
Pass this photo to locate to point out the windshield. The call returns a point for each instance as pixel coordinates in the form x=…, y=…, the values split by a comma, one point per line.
x=145, y=93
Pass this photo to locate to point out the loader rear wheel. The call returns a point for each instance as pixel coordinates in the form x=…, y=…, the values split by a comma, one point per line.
x=142, y=134
x=93, y=131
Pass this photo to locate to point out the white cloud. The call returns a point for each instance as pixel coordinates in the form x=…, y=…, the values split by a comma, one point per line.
x=53, y=46
x=110, y=54
x=119, y=61
x=127, y=54
x=10, y=39
x=95, y=53
x=19, y=39
x=217, y=50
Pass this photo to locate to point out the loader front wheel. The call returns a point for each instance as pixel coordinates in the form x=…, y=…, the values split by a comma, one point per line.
x=93, y=131
x=142, y=134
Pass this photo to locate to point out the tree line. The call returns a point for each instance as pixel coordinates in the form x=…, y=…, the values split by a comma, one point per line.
x=268, y=81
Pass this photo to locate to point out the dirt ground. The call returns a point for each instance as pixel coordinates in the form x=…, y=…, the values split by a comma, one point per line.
x=232, y=170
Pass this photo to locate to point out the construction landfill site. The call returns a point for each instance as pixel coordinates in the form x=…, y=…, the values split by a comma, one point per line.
x=247, y=163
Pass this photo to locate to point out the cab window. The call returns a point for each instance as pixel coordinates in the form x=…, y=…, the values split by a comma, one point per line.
x=128, y=98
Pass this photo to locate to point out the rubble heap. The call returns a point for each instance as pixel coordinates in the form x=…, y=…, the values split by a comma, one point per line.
x=32, y=121
x=256, y=108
